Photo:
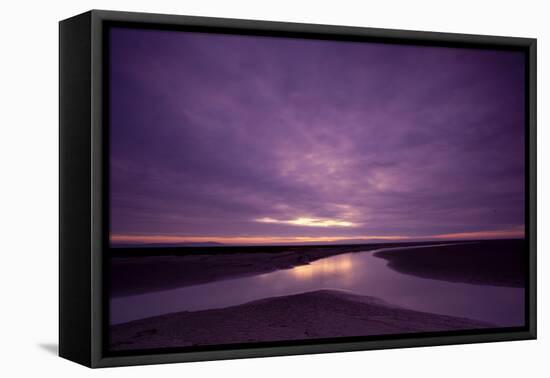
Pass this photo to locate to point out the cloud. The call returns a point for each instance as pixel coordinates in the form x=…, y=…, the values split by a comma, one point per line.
x=309, y=222
x=211, y=134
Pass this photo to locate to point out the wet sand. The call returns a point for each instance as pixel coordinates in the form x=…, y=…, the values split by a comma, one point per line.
x=312, y=315
x=490, y=262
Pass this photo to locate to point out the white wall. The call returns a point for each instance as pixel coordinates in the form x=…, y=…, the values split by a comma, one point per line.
x=28, y=156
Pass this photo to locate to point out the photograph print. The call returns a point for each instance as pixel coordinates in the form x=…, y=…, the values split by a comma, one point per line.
x=268, y=190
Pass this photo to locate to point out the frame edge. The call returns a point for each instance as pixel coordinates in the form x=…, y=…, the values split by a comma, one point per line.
x=75, y=273
x=97, y=19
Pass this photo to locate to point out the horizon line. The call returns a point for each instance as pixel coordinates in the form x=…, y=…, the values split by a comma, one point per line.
x=117, y=239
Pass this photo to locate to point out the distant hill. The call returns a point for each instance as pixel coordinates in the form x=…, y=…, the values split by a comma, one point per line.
x=198, y=244
x=168, y=245
x=288, y=244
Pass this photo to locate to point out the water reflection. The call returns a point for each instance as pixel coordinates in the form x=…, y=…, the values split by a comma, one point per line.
x=338, y=266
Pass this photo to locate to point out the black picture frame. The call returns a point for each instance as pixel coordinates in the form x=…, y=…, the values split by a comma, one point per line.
x=83, y=229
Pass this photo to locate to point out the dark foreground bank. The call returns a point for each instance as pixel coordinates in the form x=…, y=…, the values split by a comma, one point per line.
x=490, y=262
x=312, y=315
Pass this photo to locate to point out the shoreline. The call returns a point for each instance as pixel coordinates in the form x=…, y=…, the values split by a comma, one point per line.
x=139, y=272
x=494, y=263
x=310, y=315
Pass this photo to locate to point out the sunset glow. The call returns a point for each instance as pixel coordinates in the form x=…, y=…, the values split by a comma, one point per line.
x=309, y=222
x=235, y=240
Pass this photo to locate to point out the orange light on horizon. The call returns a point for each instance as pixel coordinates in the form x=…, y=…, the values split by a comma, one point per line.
x=146, y=239
x=517, y=232
x=495, y=234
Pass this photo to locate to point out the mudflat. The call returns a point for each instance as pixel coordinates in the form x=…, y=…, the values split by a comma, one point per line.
x=312, y=315
x=488, y=262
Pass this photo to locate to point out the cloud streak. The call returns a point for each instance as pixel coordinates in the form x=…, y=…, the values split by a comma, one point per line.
x=308, y=222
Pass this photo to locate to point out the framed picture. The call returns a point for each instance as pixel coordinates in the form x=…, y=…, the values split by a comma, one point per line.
x=234, y=188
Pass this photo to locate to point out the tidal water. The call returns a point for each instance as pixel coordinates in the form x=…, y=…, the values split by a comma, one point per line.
x=359, y=273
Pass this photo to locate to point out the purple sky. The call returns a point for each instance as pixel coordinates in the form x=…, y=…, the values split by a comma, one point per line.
x=259, y=139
